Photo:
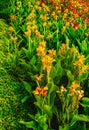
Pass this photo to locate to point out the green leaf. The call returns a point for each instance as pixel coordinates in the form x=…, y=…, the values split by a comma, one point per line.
x=85, y=102
x=84, y=46
x=32, y=117
x=70, y=75
x=30, y=124
x=47, y=110
x=81, y=117
x=42, y=122
x=27, y=86
x=83, y=76
x=25, y=99
x=38, y=104
x=56, y=70
x=73, y=120
x=51, y=93
x=33, y=60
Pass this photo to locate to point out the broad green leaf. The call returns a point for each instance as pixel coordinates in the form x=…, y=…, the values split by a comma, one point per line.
x=83, y=46
x=38, y=104
x=70, y=75
x=41, y=119
x=33, y=60
x=56, y=70
x=52, y=93
x=85, y=102
x=27, y=86
x=30, y=124
x=73, y=120
x=25, y=99
x=32, y=117
x=47, y=110
x=81, y=117
x=83, y=76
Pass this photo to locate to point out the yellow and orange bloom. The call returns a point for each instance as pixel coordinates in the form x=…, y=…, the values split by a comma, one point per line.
x=47, y=62
x=63, y=48
x=40, y=51
x=13, y=17
x=44, y=91
x=37, y=91
x=28, y=33
x=80, y=61
x=73, y=88
x=11, y=29
x=42, y=44
x=41, y=91
x=52, y=52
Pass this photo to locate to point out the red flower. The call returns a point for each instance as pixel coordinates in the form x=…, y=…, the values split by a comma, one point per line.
x=87, y=4
x=42, y=1
x=87, y=20
x=76, y=25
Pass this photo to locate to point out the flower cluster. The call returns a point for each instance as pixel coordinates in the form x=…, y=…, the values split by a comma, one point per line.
x=47, y=57
x=76, y=91
x=81, y=67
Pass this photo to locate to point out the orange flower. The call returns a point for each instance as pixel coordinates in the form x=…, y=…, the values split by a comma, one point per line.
x=52, y=52
x=44, y=91
x=41, y=91
x=40, y=51
x=47, y=62
x=28, y=33
x=73, y=88
x=42, y=44
x=80, y=61
x=76, y=25
x=63, y=48
x=37, y=91
x=13, y=17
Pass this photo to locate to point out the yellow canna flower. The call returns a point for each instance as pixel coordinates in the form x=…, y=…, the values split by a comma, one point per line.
x=80, y=61
x=42, y=44
x=40, y=51
x=80, y=94
x=44, y=24
x=28, y=33
x=73, y=88
x=39, y=77
x=52, y=52
x=47, y=61
x=11, y=29
x=37, y=91
x=63, y=89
